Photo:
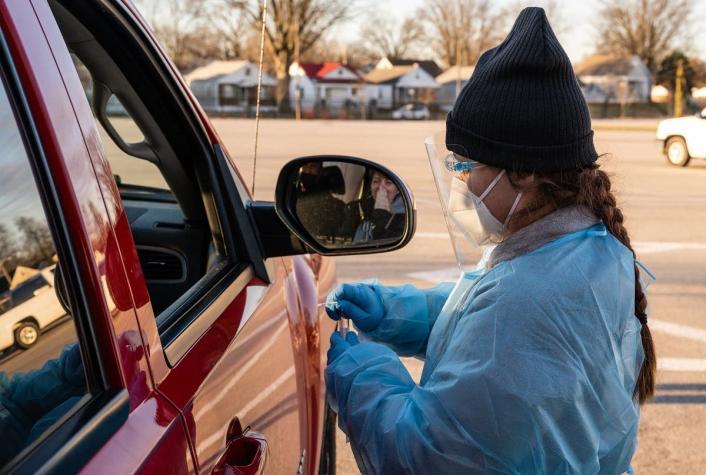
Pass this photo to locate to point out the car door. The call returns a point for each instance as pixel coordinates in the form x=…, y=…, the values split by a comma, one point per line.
x=222, y=346
x=89, y=376
x=132, y=424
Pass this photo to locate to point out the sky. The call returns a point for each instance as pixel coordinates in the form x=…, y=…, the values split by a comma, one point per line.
x=577, y=15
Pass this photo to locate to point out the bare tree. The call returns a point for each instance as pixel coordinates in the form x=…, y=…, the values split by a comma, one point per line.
x=330, y=49
x=650, y=29
x=7, y=242
x=39, y=245
x=175, y=22
x=384, y=36
x=293, y=24
x=460, y=30
x=193, y=31
x=699, y=68
x=231, y=30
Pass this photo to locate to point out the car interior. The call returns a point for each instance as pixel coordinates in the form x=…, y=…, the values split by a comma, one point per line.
x=176, y=230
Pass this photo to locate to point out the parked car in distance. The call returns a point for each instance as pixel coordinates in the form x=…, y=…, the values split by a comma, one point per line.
x=32, y=307
x=412, y=111
x=683, y=138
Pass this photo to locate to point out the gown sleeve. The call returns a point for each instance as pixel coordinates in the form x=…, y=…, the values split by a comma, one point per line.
x=410, y=314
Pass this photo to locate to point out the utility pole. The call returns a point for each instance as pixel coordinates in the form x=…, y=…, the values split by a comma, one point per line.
x=679, y=90
x=458, y=66
x=297, y=78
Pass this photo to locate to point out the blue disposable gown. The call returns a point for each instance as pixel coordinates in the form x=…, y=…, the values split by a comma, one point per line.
x=529, y=368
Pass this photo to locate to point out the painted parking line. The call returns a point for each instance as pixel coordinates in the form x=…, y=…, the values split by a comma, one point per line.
x=695, y=365
x=654, y=247
x=428, y=235
x=678, y=330
x=449, y=274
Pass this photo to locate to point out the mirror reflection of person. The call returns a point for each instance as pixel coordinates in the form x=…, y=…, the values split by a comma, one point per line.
x=319, y=211
x=380, y=214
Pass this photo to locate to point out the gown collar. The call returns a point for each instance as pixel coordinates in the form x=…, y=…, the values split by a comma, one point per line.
x=543, y=231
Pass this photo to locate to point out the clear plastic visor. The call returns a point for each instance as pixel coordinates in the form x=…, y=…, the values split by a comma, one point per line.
x=451, y=167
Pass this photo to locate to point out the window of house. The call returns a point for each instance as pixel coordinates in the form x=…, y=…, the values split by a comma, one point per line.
x=227, y=91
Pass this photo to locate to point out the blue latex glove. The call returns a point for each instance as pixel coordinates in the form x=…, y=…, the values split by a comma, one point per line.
x=359, y=302
x=339, y=345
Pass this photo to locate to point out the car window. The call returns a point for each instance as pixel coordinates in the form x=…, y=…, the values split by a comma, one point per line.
x=177, y=213
x=128, y=170
x=41, y=372
x=26, y=290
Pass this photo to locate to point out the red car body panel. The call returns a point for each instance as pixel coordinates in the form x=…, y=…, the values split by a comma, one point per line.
x=267, y=374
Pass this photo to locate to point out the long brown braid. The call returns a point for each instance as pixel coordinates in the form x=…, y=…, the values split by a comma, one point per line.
x=591, y=187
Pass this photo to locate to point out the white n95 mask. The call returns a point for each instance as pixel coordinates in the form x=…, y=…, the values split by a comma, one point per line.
x=472, y=217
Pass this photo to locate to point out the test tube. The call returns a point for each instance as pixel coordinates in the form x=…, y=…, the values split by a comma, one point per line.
x=344, y=324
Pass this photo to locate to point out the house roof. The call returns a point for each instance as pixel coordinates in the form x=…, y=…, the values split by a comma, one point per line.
x=318, y=71
x=605, y=65
x=386, y=75
x=213, y=69
x=427, y=65
x=455, y=73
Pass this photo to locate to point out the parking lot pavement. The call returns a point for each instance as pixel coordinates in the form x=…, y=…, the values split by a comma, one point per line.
x=666, y=217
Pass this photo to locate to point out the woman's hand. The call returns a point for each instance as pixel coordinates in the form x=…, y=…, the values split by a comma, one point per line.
x=339, y=345
x=382, y=199
x=359, y=302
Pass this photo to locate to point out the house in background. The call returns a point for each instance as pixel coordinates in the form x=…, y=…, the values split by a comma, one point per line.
x=451, y=82
x=391, y=87
x=427, y=65
x=325, y=86
x=231, y=86
x=608, y=79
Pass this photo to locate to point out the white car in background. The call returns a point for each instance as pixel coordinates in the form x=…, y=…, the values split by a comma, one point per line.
x=683, y=138
x=412, y=111
x=33, y=306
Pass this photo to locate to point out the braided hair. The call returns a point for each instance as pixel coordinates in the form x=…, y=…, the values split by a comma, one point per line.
x=591, y=187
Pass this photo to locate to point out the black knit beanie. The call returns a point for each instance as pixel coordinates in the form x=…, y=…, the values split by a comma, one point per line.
x=523, y=109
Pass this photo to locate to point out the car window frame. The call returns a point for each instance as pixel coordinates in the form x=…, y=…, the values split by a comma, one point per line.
x=246, y=258
x=72, y=440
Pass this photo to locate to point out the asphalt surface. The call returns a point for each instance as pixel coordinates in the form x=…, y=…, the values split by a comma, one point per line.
x=665, y=214
x=666, y=217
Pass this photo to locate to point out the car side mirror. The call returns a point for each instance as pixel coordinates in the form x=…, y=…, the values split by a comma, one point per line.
x=340, y=205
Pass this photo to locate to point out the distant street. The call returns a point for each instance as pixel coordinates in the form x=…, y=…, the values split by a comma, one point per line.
x=666, y=217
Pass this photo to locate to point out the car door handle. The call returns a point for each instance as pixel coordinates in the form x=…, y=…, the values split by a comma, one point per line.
x=245, y=454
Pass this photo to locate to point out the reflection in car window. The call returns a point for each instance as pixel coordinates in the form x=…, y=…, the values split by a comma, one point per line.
x=41, y=372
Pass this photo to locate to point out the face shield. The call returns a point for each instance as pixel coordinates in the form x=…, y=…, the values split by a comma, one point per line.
x=473, y=230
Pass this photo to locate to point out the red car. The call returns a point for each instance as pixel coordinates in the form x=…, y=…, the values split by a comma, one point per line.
x=195, y=341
